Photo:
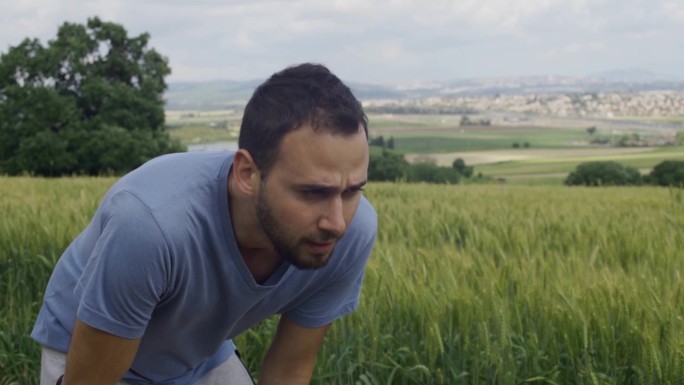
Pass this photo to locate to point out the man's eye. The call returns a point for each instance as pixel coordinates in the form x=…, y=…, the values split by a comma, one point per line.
x=353, y=191
x=314, y=193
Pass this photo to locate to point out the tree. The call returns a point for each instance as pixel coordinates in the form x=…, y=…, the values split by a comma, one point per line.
x=89, y=102
x=668, y=173
x=431, y=173
x=603, y=174
x=591, y=130
x=387, y=166
x=378, y=141
x=390, y=143
x=460, y=166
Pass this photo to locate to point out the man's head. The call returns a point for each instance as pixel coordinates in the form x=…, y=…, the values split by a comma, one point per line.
x=306, y=94
x=309, y=198
x=303, y=160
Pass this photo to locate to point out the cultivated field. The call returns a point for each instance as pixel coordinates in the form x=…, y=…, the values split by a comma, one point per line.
x=477, y=158
x=546, y=149
x=475, y=284
x=534, y=150
x=194, y=127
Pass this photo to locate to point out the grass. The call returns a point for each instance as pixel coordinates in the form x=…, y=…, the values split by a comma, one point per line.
x=193, y=127
x=665, y=119
x=467, y=284
x=196, y=134
x=426, y=134
x=39, y=219
x=431, y=141
x=541, y=166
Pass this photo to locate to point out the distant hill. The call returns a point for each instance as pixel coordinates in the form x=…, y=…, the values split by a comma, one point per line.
x=230, y=94
x=209, y=95
x=634, y=75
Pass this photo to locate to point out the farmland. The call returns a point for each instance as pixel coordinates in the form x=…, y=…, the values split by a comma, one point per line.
x=526, y=150
x=467, y=284
x=526, y=281
x=521, y=150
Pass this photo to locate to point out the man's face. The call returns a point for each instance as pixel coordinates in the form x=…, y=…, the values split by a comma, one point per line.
x=311, y=193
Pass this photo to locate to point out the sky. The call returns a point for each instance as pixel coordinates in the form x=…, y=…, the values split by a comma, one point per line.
x=382, y=42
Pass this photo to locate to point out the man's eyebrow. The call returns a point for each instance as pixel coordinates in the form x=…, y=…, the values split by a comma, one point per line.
x=328, y=188
x=359, y=185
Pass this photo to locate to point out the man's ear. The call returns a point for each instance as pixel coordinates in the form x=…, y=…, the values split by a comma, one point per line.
x=246, y=173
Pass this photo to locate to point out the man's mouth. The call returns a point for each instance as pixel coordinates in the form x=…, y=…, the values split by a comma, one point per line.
x=321, y=247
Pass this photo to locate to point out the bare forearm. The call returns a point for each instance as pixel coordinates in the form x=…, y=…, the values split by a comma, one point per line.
x=285, y=380
x=96, y=357
x=292, y=356
x=87, y=374
x=273, y=374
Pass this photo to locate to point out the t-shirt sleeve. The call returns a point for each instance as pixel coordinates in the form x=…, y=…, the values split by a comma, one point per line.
x=126, y=274
x=339, y=296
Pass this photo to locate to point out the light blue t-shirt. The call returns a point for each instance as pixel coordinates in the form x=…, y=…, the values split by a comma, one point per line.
x=159, y=261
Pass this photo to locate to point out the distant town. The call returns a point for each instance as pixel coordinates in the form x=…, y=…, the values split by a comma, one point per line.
x=588, y=105
x=557, y=96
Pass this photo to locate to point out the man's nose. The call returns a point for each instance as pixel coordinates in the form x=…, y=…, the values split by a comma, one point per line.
x=332, y=219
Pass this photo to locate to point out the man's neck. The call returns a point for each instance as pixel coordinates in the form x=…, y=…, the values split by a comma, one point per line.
x=255, y=249
x=261, y=265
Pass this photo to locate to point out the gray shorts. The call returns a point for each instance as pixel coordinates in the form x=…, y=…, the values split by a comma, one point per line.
x=231, y=372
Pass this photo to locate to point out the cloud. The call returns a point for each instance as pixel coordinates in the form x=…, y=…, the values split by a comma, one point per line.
x=374, y=39
x=574, y=49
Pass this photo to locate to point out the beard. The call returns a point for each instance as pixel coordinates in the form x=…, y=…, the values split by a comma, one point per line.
x=289, y=246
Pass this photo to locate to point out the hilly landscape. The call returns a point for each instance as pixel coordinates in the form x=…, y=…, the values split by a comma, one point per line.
x=226, y=94
x=519, y=129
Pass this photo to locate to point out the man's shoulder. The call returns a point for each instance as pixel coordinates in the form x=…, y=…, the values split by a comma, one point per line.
x=170, y=190
x=183, y=165
x=365, y=216
x=174, y=174
x=364, y=225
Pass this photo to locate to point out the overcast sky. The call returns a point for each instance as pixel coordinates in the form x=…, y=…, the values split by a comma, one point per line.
x=381, y=41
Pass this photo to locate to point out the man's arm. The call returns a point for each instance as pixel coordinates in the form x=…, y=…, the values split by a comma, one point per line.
x=97, y=357
x=291, y=358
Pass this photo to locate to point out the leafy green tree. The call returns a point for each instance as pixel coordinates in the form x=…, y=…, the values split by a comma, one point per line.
x=378, y=141
x=387, y=166
x=460, y=167
x=668, y=173
x=431, y=173
x=603, y=174
x=88, y=102
x=390, y=143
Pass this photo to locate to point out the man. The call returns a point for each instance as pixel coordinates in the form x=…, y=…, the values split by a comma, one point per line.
x=190, y=250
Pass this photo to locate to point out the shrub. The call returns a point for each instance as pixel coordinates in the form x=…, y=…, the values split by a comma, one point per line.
x=387, y=166
x=431, y=173
x=460, y=166
x=603, y=174
x=668, y=173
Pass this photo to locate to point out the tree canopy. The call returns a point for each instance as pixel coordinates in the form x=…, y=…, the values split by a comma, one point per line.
x=88, y=102
x=387, y=165
x=668, y=173
x=603, y=173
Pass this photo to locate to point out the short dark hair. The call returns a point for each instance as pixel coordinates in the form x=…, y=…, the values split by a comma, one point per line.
x=297, y=95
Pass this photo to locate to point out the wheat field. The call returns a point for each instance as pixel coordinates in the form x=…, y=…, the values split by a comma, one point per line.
x=476, y=284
